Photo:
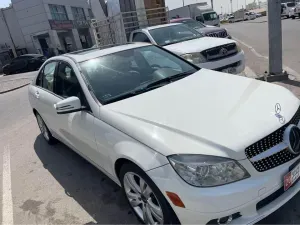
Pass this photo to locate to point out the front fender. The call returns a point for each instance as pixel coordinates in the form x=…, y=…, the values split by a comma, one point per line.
x=141, y=155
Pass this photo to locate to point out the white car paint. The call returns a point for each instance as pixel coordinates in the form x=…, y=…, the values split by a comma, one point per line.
x=208, y=113
x=199, y=45
x=288, y=10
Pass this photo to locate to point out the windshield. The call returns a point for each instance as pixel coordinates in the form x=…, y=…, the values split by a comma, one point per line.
x=173, y=34
x=291, y=4
x=210, y=16
x=192, y=23
x=113, y=75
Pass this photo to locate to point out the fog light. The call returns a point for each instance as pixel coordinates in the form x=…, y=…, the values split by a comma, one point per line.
x=224, y=220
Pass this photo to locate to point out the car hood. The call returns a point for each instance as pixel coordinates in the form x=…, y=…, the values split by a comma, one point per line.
x=207, y=113
x=212, y=29
x=197, y=45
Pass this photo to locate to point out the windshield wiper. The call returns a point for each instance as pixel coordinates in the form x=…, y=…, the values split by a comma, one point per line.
x=150, y=86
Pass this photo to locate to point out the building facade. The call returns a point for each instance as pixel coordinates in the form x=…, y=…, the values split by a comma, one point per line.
x=51, y=27
x=11, y=36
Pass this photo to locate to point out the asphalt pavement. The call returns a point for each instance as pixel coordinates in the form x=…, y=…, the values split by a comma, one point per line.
x=255, y=35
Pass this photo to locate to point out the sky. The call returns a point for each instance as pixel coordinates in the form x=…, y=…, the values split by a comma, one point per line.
x=225, y=4
x=4, y=3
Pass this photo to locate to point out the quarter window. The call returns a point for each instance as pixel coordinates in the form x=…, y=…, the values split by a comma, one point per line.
x=58, y=12
x=140, y=37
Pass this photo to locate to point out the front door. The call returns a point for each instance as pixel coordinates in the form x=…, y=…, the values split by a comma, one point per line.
x=44, y=94
x=75, y=129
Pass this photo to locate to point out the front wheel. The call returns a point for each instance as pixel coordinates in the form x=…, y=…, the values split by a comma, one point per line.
x=144, y=197
x=293, y=17
x=44, y=130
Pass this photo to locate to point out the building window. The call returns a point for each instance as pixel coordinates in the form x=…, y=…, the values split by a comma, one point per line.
x=58, y=12
x=78, y=13
x=91, y=14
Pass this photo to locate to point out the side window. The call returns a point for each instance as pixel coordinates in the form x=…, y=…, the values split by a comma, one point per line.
x=67, y=84
x=140, y=37
x=46, y=76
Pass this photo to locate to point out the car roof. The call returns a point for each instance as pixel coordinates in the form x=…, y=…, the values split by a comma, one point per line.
x=160, y=26
x=87, y=54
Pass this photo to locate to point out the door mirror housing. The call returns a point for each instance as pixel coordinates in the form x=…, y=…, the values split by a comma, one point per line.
x=68, y=105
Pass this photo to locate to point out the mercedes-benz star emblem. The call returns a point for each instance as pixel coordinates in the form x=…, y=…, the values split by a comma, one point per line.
x=277, y=113
x=277, y=108
x=223, y=51
x=291, y=137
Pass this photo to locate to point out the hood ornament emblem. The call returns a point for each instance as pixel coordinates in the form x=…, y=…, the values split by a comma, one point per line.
x=277, y=113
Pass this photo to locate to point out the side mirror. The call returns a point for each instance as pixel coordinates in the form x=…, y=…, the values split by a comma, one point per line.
x=68, y=105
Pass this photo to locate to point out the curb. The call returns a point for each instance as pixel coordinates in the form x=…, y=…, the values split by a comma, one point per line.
x=13, y=89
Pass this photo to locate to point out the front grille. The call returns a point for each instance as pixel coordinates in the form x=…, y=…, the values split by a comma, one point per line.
x=215, y=53
x=268, y=142
x=220, y=34
x=269, y=199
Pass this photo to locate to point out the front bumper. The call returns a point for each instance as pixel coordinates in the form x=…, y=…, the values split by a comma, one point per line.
x=226, y=62
x=203, y=205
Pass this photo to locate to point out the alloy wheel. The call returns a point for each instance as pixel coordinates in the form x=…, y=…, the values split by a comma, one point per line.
x=43, y=127
x=142, y=199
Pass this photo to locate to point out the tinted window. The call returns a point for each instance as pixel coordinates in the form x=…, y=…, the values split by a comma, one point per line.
x=173, y=34
x=140, y=37
x=291, y=4
x=66, y=82
x=47, y=78
x=116, y=74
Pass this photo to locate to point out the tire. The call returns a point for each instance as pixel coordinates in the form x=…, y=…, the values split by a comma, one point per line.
x=151, y=199
x=299, y=15
x=293, y=17
x=44, y=130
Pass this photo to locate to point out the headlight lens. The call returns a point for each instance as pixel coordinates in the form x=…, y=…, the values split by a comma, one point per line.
x=238, y=47
x=195, y=58
x=207, y=171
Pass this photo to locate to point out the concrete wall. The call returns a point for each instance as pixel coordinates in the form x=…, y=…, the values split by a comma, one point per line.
x=4, y=37
x=32, y=18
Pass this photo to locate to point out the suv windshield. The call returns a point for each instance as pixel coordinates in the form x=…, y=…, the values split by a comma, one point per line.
x=131, y=72
x=192, y=23
x=173, y=34
x=210, y=16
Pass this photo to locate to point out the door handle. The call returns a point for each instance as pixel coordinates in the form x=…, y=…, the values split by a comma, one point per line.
x=37, y=94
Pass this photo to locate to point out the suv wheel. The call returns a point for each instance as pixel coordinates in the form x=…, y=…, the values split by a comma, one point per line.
x=44, y=130
x=144, y=197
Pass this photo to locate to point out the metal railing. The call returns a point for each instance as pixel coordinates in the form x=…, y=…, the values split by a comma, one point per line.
x=116, y=30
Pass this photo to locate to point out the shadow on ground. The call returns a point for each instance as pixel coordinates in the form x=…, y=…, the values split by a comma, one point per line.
x=94, y=191
x=292, y=82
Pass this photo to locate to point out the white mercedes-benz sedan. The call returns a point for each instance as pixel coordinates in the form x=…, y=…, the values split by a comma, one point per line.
x=187, y=145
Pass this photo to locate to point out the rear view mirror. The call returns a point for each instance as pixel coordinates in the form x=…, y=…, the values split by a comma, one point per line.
x=68, y=105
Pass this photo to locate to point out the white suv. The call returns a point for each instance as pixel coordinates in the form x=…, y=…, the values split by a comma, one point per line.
x=206, y=52
x=187, y=145
x=288, y=9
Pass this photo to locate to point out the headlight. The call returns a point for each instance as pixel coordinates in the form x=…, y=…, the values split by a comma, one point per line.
x=195, y=58
x=207, y=171
x=238, y=47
